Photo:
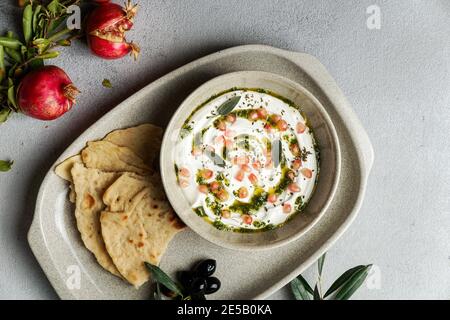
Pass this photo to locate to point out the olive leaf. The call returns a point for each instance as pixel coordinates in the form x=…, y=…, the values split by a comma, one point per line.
x=316, y=293
x=353, y=283
x=320, y=263
x=4, y=114
x=215, y=158
x=228, y=106
x=27, y=22
x=343, y=279
x=346, y=285
x=5, y=165
x=162, y=278
x=277, y=153
x=106, y=83
x=301, y=289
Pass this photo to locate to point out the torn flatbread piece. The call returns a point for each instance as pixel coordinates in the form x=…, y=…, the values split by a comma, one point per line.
x=139, y=235
x=107, y=156
x=144, y=140
x=90, y=184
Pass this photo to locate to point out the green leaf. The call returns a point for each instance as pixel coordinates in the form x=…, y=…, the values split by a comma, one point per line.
x=36, y=12
x=48, y=55
x=14, y=54
x=5, y=165
x=27, y=21
x=2, y=64
x=320, y=263
x=161, y=277
x=10, y=43
x=316, y=294
x=53, y=7
x=343, y=279
x=277, y=152
x=106, y=83
x=228, y=106
x=12, y=94
x=4, y=114
x=218, y=161
x=353, y=283
x=301, y=289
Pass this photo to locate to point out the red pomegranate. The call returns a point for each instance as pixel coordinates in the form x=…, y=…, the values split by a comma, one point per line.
x=46, y=93
x=106, y=27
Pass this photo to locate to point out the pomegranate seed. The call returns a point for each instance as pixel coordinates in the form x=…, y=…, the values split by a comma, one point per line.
x=256, y=165
x=246, y=168
x=206, y=173
x=287, y=208
x=247, y=219
x=230, y=133
x=223, y=195
x=183, y=183
x=262, y=113
x=294, y=149
x=253, y=179
x=282, y=125
x=293, y=187
x=219, y=140
x=214, y=186
x=221, y=125
x=301, y=127
x=203, y=188
x=242, y=192
x=241, y=160
x=268, y=163
x=306, y=172
x=296, y=164
x=268, y=128
x=275, y=118
x=226, y=213
x=231, y=118
x=184, y=172
x=272, y=198
x=240, y=175
x=253, y=116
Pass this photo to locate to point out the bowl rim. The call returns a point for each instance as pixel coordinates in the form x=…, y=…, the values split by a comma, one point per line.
x=165, y=148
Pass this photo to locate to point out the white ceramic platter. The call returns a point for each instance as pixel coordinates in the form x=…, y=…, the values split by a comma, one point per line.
x=56, y=243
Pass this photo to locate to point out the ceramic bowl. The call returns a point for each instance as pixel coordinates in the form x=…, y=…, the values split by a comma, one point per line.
x=326, y=138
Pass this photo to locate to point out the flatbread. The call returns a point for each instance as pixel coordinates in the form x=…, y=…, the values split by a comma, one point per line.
x=107, y=156
x=63, y=171
x=118, y=196
x=90, y=185
x=142, y=233
x=144, y=140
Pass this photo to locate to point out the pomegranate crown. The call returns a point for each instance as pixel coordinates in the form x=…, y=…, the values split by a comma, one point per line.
x=130, y=9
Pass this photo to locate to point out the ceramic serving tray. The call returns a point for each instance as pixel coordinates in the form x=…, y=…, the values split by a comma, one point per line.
x=72, y=269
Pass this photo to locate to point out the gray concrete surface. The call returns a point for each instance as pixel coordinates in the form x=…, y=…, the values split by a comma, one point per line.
x=397, y=79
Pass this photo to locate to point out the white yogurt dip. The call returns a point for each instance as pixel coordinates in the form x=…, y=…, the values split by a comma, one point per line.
x=246, y=160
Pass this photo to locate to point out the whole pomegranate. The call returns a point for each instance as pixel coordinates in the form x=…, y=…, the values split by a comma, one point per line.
x=46, y=93
x=106, y=27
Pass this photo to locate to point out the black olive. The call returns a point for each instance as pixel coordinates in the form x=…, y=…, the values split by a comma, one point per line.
x=186, y=278
x=198, y=286
x=212, y=285
x=206, y=268
x=167, y=292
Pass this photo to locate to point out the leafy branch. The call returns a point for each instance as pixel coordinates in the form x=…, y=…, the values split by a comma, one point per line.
x=43, y=30
x=341, y=289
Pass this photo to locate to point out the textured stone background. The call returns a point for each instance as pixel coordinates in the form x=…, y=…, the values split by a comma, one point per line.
x=397, y=79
